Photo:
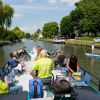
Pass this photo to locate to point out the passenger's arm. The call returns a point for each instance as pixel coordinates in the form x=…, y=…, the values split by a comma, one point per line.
x=6, y=80
x=78, y=65
x=16, y=60
x=68, y=65
x=34, y=67
x=52, y=65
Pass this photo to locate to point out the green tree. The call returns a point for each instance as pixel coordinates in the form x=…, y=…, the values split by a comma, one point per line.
x=38, y=31
x=27, y=35
x=1, y=19
x=1, y=7
x=50, y=29
x=66, y=26
x=35, y=36
x=18, y=32
x=86, y=16
x=7, y=15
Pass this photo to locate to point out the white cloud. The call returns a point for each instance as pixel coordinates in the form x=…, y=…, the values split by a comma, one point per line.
x=30, y=8
x=29, y=29
x=52, y=1
x=18, y=15
x=30, y=1
x=69, y=2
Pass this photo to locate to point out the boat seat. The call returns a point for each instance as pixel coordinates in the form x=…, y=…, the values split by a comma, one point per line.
x=47, y=82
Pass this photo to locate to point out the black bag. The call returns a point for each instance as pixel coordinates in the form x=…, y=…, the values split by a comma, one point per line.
x=61, y=86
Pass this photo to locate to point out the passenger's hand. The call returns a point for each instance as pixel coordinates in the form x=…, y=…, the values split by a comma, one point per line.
x=6, y=80
x=72, y=71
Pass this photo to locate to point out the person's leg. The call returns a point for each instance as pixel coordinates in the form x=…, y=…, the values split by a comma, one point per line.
x=11, y=78
x=22, y=63
x=19, y=67
x=16, y=89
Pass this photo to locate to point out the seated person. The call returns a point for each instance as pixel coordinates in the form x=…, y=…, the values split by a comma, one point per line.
x=44, y=66
x=60, y=59
x=6, y=88
x=37, y=52
x=10, y=76
x=22, y=52
x=73, y=64
x=15, y=63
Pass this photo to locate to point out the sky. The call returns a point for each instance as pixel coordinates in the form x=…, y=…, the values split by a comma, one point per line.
x=31, y=15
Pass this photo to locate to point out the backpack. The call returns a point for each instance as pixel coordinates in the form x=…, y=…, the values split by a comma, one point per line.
x=62, y=86
x=35, y=88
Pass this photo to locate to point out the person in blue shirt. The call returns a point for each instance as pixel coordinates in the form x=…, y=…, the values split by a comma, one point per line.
x=15, y=63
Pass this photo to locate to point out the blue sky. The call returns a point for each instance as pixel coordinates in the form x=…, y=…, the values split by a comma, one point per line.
x=30, y=15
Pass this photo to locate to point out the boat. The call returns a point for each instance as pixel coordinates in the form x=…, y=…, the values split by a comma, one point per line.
x=86, y=89
x=59, y=41
x=92, y=55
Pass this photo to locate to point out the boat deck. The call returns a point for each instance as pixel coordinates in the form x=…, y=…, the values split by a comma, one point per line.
x=87, y=93
x=84, y=93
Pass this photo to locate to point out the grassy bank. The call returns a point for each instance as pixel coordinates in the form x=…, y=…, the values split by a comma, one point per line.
x=83, y=42
x=78, y=42
x=4, y=43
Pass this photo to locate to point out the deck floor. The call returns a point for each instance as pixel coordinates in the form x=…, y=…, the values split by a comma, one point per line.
x=23, y=79
x=87, y=94
x=83, y=93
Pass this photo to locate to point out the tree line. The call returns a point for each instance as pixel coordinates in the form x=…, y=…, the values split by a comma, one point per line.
x=85, y=19
x=6, y=15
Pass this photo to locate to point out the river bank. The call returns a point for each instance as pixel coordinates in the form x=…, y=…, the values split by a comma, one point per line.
x=77, y=42
x=83, y=42
x=2, y=43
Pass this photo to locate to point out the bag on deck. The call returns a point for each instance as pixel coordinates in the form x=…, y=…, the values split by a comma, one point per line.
x=62, y=86
x=76, y=76
x=35, y=88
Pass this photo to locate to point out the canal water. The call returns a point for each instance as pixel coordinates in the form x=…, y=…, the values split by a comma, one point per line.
x=91, y=65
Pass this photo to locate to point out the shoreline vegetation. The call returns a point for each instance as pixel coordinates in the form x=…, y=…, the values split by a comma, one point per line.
x=87, y=43
x=77, y=42
x=2, y=43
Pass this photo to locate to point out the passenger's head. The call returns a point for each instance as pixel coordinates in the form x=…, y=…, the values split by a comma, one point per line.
x=44, y=53
x=59, y=52
x=39, y=48
x=73, y=58
x=15, y=53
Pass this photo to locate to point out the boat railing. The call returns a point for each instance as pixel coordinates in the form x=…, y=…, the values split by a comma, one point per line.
x=94, y=82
